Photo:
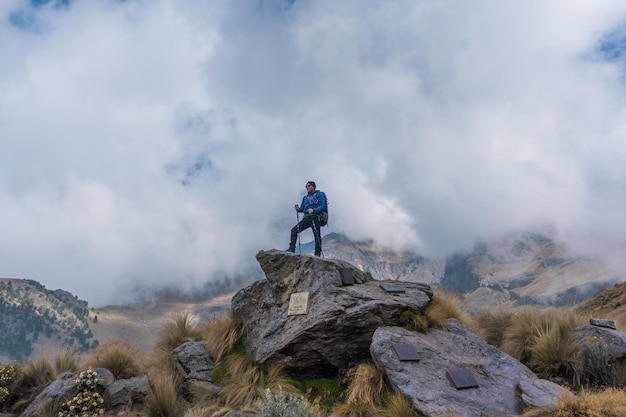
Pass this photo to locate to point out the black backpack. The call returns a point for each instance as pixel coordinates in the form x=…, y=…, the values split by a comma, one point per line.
x=324, y=214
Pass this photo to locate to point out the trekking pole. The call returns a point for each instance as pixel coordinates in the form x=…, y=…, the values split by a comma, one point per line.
x=317, y=232
x=298, y=226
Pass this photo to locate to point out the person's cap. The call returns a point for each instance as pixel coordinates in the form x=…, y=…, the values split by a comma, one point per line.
x=311, y=183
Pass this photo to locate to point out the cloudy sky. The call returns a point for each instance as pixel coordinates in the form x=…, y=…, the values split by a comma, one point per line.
x=160, y=142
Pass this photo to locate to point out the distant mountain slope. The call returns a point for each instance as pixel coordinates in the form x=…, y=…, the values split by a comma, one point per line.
x=141, y=324
x=518, y=268
x=33, y=319
x=526, y=268
x=382, y=264
x=610, y=304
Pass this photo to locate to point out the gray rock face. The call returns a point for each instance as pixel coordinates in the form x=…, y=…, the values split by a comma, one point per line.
x=614, y=339
x=505, y=386
x=60, y=390
x=195, y=364
x=115, y=392
x=120, y=391
x=337, y=330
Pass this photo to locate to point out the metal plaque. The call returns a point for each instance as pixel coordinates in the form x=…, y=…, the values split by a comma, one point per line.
x=392, y=288
x=298, y=303
x=462, y=378
x=406, y=352
x=346, y=276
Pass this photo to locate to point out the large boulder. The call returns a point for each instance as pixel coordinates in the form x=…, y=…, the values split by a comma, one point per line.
x=336, y=331
x=64, y=388
x=504, y=386
x=603, y=351
x=193, y=361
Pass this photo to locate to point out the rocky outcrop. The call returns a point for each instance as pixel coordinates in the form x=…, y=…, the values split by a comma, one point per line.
x=345, y=325
x=65, y=388
x=336, y=331
x=503, y=385
x=194, y=363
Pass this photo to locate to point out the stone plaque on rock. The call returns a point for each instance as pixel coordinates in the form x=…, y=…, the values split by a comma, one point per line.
x=392, y=288
x=406, y=352
x=462, y=378
x=609, y=324
x=298, y=303
x=346, y=276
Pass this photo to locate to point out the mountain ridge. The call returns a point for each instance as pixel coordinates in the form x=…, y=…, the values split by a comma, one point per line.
x=519, y=268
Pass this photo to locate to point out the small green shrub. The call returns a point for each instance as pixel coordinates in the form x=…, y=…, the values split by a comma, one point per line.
x=323, y=392
x=284, y=405
x=8, y=377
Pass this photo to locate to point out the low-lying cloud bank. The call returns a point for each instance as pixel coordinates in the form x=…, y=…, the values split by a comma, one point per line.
x=165, y=142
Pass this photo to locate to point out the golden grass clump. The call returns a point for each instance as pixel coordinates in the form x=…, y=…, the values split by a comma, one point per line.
x=162, y=398
x=245, y=384
x=199, y=411
x=542, y=340
x=442, y=308
x=522, y=333
x=398, y=406
x=66, y=360
x=366, y=384
x=356, y=409
x=35, y=374
x=436, y=315
x=221, y=333
x=178, y=331
x=610, y=402
x=119, y=357
x=493, y=324
x=554, y=351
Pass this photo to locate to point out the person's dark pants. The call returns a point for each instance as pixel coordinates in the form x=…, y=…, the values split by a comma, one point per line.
x=312, y=221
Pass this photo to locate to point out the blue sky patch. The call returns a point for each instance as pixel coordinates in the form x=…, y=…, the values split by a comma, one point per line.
x=55, y=3
x=612, y=46
x=24, y=19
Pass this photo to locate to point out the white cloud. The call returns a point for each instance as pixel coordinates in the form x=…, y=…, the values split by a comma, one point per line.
x=164, y=142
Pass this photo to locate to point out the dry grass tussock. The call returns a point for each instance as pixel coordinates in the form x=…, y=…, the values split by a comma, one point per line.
x=178, y=331
x=245, y=384
x=493, y=324
x=398, y=406
x=162, y=399
x=530, y=324
x=436, y=315
x=540, y=339
x=221, y=333
x=35, y=374
x=66, y=360
x=118, y=357
x=366, y=384
x=607, y=403
x=442, y=308
x=356, y=409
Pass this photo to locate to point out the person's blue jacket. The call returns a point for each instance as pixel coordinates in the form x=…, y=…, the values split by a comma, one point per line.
x=315, y=200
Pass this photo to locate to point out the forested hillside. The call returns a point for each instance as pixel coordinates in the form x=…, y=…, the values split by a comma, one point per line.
x=34, y=318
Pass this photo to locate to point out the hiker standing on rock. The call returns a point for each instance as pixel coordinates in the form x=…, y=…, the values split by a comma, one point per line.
x=313, y=204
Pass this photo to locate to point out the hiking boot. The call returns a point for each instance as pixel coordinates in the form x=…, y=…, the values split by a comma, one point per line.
x=292, y=250
x=318, y=254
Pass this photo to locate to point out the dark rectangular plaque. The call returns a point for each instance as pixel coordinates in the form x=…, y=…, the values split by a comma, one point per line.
x=462, y=378
x=406, y=352
x=346, y=276
x=392, y=288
